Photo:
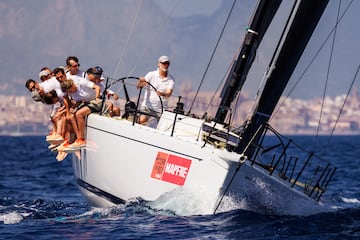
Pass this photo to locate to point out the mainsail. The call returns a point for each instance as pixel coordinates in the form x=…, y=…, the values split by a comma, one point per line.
x=260, y=22
x=302, y=23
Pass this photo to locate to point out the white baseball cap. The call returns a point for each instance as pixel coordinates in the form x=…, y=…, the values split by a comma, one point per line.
x=163, y=59
x=43, y=73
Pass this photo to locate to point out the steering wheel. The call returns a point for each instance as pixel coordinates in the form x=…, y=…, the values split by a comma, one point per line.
x=154, y=89
x=130, y=106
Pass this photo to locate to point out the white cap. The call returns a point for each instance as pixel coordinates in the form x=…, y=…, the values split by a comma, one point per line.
x=43, y=73
x=163, y=59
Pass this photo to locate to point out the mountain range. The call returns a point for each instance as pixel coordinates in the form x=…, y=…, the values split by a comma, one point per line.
x=126, y=37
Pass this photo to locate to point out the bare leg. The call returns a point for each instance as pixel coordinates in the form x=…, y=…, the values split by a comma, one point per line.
x=80, y=118
x=54, y=128
x=75, y=124
x=143, y=119
x=116, y=111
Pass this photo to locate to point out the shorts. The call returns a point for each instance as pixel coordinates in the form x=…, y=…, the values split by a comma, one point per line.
x=150, y=112
x=94, y=105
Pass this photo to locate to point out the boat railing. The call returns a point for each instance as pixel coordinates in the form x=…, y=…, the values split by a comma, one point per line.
x=294, y=165
x=218, y=135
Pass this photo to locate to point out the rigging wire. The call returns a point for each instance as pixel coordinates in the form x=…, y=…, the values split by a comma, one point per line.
x=156, y=34
x=258, y=93
x=213, y=96
x=136, y=17
x=271, y=65
x=327, y=76
x=311, y=61
x=242, y=159
x=342, y=107
x=128, y=38
x=212, y=56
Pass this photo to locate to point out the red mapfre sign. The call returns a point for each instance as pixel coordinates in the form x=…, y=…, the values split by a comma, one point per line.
x=170, y=168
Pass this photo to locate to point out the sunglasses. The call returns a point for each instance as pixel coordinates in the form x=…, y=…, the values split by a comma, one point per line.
x=76, y=65
x=165, y=63
x=96, y=74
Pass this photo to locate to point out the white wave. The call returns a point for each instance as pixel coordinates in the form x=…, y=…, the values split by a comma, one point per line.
x=229, y=203
x=187, y=202
x=350, y=200
x=91, y=214
x=11, y=218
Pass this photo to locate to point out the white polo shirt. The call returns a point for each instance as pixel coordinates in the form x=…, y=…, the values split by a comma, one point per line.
x=85, y=91
x=151, y=99
x=52, y=84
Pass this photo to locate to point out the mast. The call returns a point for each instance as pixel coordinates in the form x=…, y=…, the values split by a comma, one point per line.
x=305, y=18
x=260, y=22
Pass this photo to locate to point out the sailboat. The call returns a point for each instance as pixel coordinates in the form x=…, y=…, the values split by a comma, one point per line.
x=205, y=162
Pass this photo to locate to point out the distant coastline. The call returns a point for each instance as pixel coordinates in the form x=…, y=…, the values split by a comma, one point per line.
x=20, y=116
x=22, y=134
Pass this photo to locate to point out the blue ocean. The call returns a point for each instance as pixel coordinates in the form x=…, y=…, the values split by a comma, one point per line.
x=39, y=199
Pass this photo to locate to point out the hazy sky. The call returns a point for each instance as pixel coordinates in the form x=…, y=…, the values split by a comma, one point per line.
x=346, y=51
x=185, y=8
x=108, y=33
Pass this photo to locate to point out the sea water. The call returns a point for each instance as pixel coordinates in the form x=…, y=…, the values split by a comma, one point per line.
x=39, y=199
